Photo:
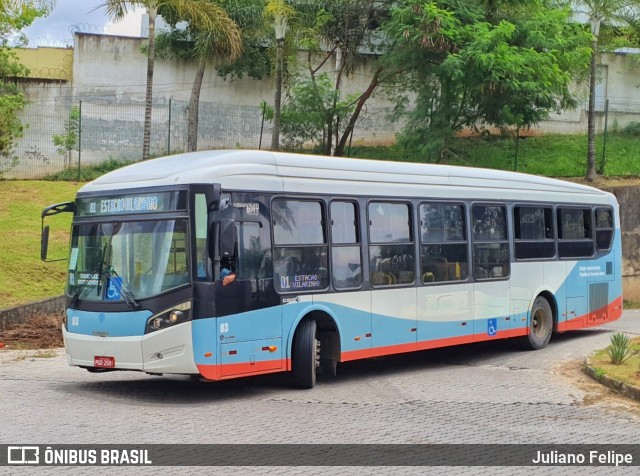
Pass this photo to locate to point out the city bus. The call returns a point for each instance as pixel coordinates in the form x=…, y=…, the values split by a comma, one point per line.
x=225, y=264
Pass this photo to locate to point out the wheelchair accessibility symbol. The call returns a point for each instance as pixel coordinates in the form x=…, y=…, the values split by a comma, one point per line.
x=113, y=289
x=492, y=327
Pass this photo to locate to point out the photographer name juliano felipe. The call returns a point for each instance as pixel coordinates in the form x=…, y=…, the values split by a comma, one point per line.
x=593, y=457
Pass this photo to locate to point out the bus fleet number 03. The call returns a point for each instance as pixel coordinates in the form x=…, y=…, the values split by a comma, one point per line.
x=224, y=327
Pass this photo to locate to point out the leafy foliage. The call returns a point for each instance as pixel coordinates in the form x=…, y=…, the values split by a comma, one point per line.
x=312, y=103
x=12, y=101
x=504, y=64
x=68, y=142
x=632, y=129
x=88, y=173
x=16, y=15
x=620, y=348
x=337, y=36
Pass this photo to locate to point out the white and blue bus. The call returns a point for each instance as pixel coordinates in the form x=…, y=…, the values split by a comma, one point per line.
x=334, y=260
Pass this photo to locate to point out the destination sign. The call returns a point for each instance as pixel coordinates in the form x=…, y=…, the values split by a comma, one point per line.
x=129, y=204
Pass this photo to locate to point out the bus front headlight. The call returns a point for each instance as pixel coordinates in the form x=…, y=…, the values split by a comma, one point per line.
x=170, y=317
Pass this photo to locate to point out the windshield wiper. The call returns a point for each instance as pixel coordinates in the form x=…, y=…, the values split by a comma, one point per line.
x=99, y=271
x=124, y=290
x=76, y=295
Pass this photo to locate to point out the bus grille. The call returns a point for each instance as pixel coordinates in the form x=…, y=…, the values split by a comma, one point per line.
x=598, y=301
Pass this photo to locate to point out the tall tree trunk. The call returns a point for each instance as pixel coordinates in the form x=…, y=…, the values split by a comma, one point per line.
x=591, y=114
x=277, y=99
x=328, y=145
x=339, y=152
x=148, y=100
x=194, y=103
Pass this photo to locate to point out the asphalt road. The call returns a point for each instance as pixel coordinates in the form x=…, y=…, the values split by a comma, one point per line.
x=481, y=393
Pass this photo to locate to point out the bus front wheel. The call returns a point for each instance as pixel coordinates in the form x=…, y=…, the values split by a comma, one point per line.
x=540, y=325
x=305, y=355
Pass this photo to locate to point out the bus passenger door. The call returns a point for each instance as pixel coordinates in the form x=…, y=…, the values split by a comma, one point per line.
x=491, y=271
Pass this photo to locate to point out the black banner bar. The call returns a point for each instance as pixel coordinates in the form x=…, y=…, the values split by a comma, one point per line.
x=319, y=455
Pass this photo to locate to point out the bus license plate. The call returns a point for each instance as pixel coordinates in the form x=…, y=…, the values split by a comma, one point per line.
x=104, y=362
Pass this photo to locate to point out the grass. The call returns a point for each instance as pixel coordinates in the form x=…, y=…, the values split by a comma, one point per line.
x=24, y=277
x=88, y=173
x=553, y=155
x=629, y=304
x=628, y=372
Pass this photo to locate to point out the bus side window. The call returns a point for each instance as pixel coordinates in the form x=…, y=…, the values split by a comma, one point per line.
x=491, y=246
x=346, y=260
x=533, y=232
x=443, y=238
x=300, y=261
x=391, y=253
x=575, y=239
x=254, y=252
x=203, y=264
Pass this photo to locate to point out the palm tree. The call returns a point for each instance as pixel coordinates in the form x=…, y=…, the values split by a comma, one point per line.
x=598, y=12
x=224, y=38
x=280, y=13
x=200, y=14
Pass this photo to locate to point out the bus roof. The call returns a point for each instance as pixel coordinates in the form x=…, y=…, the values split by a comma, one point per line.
x=264, y=171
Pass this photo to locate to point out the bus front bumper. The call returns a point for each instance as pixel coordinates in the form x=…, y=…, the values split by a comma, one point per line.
x=165, y=351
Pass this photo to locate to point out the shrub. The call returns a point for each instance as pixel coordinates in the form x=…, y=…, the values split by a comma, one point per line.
x=620, y=348
x=632, y=129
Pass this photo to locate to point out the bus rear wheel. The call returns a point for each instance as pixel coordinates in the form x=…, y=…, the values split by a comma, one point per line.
x=305, y=355
x=540, y=326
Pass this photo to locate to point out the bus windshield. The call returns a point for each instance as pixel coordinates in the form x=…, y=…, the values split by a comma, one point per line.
x=124, y=261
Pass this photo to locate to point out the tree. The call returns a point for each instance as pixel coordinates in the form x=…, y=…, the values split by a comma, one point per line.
x=224, y=38
x=337, y=36
x=200, y=14
x=599, y=13
x=482, y=64
x=280, y=13
x=18, y=14
x=12, y=101
x=69, y=141
x=14, y=16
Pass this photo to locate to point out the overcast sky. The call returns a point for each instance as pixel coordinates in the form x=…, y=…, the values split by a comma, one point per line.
x=83, y=15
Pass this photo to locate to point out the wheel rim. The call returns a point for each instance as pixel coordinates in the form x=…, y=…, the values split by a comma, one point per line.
x=539, y=323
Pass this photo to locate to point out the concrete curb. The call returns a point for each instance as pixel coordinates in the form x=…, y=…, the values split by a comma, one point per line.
x=629, y=391
x=18, y=314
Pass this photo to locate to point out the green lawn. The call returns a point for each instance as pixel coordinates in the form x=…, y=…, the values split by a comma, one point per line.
x=550, y=155
x=24, y=277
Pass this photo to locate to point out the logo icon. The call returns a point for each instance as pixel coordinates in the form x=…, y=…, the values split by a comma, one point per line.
x=23, y=455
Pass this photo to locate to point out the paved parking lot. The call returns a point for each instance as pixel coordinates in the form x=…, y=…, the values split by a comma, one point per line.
x=485, y=393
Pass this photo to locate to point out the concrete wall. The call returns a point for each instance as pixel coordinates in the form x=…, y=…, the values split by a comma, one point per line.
x=109, y=76
x=47, y=63
x=16, y=315
x=109, y=80
x=629, y=199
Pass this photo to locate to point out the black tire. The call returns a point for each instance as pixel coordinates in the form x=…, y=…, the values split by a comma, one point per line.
x=540, y=326
x=305, y=355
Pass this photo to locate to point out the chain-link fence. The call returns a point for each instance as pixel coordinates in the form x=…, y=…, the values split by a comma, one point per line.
x=94, y=130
